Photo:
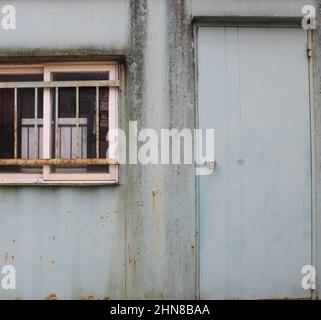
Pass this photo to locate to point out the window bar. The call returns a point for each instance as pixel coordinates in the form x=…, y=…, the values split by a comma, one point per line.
x=97, y=122
x=77, y=123
x=61, y=84
x=15, y=123
x=36, y=124
x=56, y=121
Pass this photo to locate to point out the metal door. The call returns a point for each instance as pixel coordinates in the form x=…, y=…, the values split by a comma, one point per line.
x=255, y=209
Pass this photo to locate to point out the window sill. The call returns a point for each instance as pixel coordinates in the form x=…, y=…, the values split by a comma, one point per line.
x=40, y=182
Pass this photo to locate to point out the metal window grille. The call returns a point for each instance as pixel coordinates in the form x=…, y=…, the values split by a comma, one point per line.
x=30, y=153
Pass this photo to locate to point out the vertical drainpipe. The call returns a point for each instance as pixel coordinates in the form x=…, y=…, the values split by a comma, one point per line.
x=134, y=227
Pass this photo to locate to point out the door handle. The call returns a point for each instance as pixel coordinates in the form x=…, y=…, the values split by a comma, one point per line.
x=210, y=163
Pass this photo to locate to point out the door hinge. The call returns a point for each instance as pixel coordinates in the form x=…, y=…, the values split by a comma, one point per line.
x=309, y=49
x=309, y=52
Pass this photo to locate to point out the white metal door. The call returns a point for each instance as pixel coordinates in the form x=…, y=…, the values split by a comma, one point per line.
x=255, y=209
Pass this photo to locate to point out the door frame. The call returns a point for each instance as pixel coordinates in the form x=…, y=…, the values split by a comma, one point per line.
x=315, y=124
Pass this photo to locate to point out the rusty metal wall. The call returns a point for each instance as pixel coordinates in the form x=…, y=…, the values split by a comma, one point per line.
x=137, y=239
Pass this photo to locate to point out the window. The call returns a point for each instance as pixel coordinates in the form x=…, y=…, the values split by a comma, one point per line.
x=54, y=121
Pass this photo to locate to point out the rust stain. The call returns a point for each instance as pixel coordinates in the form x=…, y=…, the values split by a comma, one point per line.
x=51, y=296
x=90, y=297
x=87, y=298
x=155, y=196
x=55, y=162
x=60, y=84
x=129, y=254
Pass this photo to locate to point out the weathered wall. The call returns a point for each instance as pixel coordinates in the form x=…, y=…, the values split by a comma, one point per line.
x=60, y=25
x=317, y=106
x=276, y=8
x=160, y=225
x=137, y=239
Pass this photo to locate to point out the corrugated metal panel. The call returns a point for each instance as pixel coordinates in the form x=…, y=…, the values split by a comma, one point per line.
x=64, y=242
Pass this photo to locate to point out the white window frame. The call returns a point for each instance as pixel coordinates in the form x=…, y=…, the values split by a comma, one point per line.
x=47, y=176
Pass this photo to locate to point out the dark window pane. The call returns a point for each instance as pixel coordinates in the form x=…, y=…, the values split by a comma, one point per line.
x=27, y=142
x=73, y=76
x=20, y=77
x=70, y=142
